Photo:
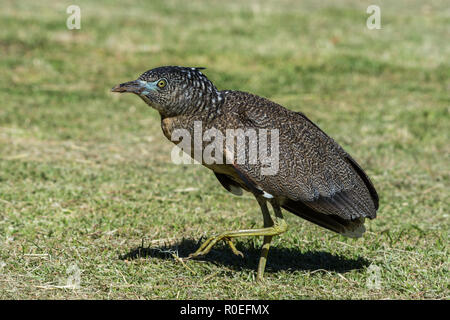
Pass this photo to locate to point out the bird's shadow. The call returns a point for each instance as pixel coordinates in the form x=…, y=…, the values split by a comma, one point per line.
x=280, y=259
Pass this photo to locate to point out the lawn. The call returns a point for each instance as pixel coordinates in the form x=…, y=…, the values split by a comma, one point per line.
x=91, y=205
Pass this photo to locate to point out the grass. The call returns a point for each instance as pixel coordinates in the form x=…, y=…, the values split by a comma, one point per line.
x=86, y=177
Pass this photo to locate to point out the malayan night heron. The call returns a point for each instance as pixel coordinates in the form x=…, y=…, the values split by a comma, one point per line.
x=313, y=178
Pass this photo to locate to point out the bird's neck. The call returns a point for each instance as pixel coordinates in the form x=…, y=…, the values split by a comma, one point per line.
x=202, y=112
x=210, y=106
x=202, y=105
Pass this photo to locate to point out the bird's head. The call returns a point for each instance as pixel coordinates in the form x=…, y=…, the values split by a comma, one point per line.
x=174, y=90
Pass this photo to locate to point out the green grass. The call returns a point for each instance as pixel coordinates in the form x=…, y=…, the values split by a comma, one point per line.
x=86, y=176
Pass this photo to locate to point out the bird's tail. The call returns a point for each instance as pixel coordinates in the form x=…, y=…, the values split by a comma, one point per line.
x=349, y=228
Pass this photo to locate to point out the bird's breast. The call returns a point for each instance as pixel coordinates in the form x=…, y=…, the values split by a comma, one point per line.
x=167, y=126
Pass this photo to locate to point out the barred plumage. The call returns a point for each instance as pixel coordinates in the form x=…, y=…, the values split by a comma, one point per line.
x=316, y=179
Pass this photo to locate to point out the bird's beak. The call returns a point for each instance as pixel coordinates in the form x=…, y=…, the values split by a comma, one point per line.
x=134, y=86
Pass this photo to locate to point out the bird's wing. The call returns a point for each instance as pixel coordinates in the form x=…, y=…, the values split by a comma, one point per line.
x=313, y=168
x=229, y=184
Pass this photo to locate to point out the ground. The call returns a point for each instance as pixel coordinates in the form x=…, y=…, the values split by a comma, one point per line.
x=91, y=205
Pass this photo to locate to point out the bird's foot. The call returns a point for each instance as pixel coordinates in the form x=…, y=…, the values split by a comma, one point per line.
x=233, y=248
x=206, y=247
x=279, y=227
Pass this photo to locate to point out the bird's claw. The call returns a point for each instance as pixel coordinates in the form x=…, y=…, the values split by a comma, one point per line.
x=233, y=248
x=208, y=244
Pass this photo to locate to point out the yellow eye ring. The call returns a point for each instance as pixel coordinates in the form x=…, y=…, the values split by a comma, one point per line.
x=161, y=83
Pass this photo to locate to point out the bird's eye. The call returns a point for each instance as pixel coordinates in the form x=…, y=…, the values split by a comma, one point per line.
x=161, y=83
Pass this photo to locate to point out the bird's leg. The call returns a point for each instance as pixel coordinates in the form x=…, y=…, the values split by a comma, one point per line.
x=268, y=222
x=263, y=257
x=272, y=228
